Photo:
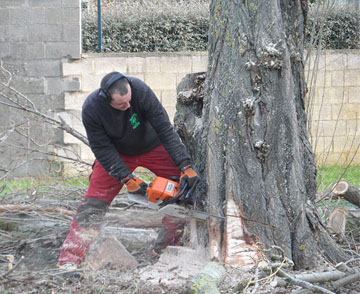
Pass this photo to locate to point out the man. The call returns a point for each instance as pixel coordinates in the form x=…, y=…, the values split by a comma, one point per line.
x=127, y=127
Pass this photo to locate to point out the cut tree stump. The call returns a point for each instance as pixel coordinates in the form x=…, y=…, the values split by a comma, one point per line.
x=347, y=191
x=337, y=221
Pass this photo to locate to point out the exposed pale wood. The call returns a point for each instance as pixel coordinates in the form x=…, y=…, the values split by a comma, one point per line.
x=340, y=188
x=240, y=250
x=214, y=240
x=337, y=221
x=110, y=251
x=194, y=242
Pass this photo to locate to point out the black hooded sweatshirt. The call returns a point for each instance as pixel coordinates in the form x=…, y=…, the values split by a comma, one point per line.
x=139, y=129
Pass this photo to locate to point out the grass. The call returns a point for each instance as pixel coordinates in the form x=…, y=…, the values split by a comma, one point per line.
x=44, y=185
x=328, y=175
x=26, y=186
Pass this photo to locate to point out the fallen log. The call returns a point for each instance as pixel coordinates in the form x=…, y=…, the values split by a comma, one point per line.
x=18, y=208
x=127, y=218
x=303, y=283
x=312, y=278
x=321, y=277
x=208, y=279
x=346, y=280
x=347, y=191
x=134, y=238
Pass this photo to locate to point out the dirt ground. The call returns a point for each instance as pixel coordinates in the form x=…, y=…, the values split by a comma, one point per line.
x=166, y=275
x=38, y=236
x=171, y=273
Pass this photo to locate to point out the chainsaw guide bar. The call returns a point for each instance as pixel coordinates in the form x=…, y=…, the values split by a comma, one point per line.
x=170, y=209
x=166, y=196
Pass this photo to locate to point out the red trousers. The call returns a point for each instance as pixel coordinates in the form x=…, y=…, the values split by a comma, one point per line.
x=102, y=190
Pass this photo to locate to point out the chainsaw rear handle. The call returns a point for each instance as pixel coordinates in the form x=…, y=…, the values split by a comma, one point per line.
x=187, y=199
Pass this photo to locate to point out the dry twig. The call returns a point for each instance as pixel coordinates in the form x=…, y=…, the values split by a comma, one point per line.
x=13, y=268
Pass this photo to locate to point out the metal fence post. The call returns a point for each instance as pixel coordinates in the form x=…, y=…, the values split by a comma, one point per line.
x=99, y=27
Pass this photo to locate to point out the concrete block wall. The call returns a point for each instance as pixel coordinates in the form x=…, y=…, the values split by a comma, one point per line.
x=334, y=107
x=40, y=43
x=162, y=72
x=34, y=37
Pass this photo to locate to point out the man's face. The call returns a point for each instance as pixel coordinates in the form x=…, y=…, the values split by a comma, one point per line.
x=121, y=102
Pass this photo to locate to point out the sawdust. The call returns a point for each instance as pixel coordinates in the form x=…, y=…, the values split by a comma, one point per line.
x=175, y=266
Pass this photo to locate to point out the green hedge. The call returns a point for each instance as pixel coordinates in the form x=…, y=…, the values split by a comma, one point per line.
x=339, y=31
x=152, y=35
x=169, y=32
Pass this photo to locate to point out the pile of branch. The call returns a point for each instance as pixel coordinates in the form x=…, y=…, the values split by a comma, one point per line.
x=31, y=223
x=276, y=273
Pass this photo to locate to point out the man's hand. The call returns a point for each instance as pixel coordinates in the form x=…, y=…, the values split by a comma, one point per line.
x=135, y=185
x=188, y=175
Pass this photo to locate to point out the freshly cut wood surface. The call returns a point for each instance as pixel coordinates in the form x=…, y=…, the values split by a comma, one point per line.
x=348, y=191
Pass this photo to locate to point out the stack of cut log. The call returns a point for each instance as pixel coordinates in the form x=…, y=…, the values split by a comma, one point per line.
x=340, y=217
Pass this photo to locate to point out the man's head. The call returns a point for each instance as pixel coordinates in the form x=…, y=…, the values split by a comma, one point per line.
x=117, y=90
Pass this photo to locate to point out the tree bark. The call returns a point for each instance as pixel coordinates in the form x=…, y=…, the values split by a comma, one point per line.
x=248, y=136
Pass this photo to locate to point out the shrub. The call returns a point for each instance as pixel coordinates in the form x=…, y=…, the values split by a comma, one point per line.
x=154, y=25
x=182, y=25
x=338, y=29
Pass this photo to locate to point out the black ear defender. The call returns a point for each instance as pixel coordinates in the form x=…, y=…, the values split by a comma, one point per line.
x=103, y=93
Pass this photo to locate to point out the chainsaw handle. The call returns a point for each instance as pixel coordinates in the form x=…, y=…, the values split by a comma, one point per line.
x=187, y=195
x=176, y=198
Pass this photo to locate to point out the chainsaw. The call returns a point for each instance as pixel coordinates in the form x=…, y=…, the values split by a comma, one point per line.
x=166, y=196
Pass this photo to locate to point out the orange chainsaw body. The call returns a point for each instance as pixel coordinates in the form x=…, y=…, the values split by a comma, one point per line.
x=162, y=189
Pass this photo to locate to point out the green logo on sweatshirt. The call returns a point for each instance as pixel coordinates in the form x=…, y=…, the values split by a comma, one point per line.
x=134, y=121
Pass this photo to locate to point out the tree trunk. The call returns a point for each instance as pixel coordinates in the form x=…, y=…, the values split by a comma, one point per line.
x=248, y=134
